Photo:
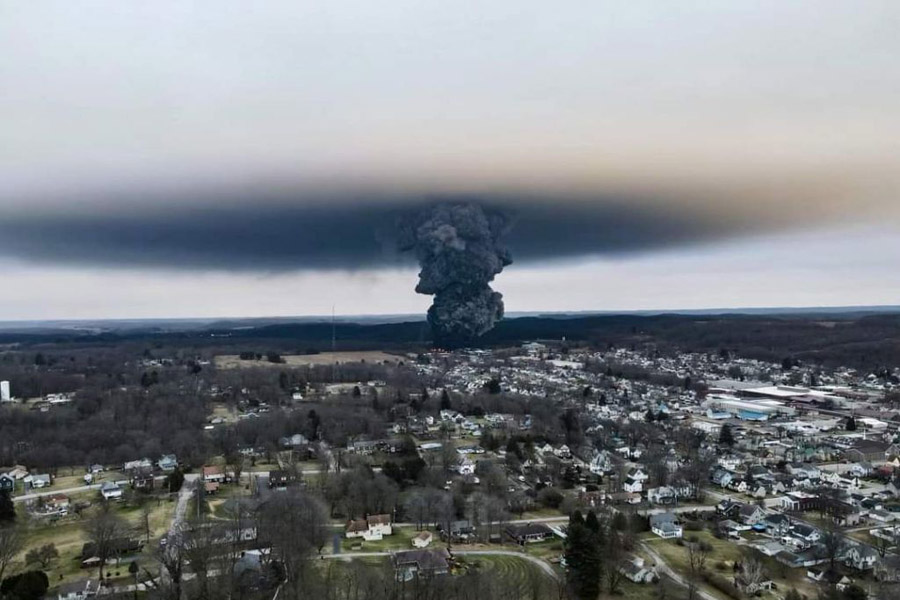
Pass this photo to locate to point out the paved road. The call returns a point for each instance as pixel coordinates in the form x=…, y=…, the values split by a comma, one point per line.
x=515, y=522
x=546, y=568
x=681, y=508
x=82, y=488
x=771, y=502
x=73, y=490
x=675, y=576
x=123, y=482
x=184, y=498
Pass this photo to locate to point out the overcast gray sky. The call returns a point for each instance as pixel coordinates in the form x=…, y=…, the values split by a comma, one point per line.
x=228, y=158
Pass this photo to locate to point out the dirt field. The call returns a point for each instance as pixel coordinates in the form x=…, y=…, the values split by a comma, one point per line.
x=233, y=361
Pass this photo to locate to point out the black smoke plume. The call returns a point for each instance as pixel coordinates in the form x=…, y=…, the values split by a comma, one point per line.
x=460, y=251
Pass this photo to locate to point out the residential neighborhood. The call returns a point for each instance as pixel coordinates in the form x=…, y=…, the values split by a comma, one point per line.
x=695, y=473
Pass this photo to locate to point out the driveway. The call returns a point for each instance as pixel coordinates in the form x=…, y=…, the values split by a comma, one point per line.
x=678, y=578
x=184, y=498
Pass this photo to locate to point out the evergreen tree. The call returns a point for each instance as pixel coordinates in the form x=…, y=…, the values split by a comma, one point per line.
x=30, y=585
x=175, y=480
x=594, y=565
x=726, y=437
x=577, y=540
x=7, y=508
x=851, y=424
x=584, y=555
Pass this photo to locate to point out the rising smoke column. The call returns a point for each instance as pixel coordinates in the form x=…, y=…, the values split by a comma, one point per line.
x=458, y=247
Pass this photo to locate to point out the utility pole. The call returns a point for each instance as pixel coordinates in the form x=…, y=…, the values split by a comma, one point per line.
x=200, y=491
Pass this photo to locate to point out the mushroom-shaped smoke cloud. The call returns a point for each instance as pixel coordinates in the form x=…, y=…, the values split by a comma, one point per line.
x=460, y=251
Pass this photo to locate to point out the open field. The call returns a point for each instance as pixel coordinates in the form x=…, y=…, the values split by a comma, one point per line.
x=233, y=361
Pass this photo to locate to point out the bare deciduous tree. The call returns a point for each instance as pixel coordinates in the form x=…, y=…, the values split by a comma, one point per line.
x=752, y=573
x=103, y=531
x=12, y=541
x=698, y=553
x=171, y=559
x=295, y=526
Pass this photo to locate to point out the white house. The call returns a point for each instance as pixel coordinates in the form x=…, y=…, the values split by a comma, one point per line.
x=562, y=452
x=667, y=494
x=638, y=474
x=111, y=491
x=600, y=463
x=370, y=529
x=38, y=481
x=465, y=467
x=635, y=570
x=422, y=539
x=666, y=526
x=632, y=486
x=134, y=465
x=861, y=558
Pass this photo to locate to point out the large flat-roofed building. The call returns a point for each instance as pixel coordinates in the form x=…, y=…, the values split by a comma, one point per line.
x=789, y=393
x=778, y=392
x=746, y=408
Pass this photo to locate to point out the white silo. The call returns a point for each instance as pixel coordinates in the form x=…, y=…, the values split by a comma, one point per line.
x=4, y=391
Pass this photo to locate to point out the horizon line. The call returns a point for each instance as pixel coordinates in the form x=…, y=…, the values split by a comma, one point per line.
x=509, y=315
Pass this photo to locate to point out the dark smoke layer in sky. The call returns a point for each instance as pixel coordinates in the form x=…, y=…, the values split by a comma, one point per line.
x=258, y=232
x=144, y=145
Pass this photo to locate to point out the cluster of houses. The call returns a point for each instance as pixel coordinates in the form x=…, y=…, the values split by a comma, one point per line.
x=793, y=541
x=376, y=527
x=20, y=478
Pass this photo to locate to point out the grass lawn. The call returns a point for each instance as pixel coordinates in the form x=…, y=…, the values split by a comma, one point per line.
x=541, y=513
x=643, y=591
x=218, y=502
x=866, y=538
x=68, y=536
x=677, y=556
x=514, y=571
x=400, y=540
x=223, y=412
x=67, y=481
x=550, y=548
x=721, y=560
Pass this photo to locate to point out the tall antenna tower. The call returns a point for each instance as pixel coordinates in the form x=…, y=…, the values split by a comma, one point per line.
x=333, y=345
